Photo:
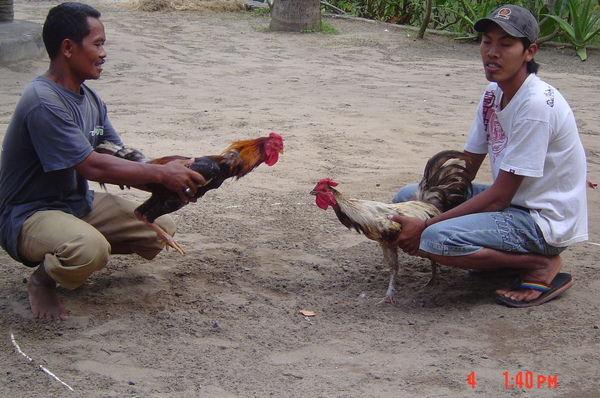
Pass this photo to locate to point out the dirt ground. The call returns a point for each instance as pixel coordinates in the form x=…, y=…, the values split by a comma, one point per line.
x=366, y=107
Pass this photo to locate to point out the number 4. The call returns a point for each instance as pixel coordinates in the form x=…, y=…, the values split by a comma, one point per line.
x=471, y=380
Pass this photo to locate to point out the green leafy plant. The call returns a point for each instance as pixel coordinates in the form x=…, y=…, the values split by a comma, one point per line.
x=580, y=28
x=470, y=12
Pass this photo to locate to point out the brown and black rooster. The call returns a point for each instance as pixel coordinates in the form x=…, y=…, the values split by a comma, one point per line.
x=445, y=185
x=236, y=161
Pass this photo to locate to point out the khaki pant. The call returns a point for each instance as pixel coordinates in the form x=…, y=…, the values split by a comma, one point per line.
x=71, y=249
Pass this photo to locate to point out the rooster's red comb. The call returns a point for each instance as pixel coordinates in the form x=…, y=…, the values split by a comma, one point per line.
x=327, y=181
x=275, y=135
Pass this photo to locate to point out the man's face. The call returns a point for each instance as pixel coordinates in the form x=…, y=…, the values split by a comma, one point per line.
x=87, y=59
x=504, y=58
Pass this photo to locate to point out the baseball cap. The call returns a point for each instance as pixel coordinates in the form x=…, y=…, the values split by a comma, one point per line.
x=516, y=21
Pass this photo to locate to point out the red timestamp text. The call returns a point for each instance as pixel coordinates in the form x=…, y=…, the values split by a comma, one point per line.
x=530, y=380
x=522, y=380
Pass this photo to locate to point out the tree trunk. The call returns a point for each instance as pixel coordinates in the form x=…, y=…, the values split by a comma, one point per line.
x=428, y=6
x=296, y=15
x=7, y=13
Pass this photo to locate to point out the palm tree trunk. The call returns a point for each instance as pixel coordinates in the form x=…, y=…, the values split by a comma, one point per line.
x=296, y=15
x=7, y=13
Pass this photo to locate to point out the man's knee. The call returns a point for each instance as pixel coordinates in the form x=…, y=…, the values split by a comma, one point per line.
x=405, y=193
x=74, y=261
x=86, y=250
x=167, y=223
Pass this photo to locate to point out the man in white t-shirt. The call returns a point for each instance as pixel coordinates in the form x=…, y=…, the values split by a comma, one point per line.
x=536, y=206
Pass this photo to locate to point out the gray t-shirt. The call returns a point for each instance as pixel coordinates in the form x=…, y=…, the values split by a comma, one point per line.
x=51, y=130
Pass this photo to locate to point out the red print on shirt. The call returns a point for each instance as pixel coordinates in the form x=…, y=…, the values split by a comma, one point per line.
x=494, y=132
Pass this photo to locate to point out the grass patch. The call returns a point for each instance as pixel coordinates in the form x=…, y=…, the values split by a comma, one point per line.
x=328, y=29
x=325, y=28
x=190, y=5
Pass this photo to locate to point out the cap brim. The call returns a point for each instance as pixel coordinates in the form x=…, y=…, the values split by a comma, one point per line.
x=482, y=24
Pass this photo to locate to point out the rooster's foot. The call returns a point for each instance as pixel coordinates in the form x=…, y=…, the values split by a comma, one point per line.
x=170, y=242
x=165, y=237
x=434, y=273
x=389, y=298
x=431, y=282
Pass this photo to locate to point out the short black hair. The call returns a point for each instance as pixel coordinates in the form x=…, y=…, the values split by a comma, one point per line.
x=66, y=21
x=532, y=66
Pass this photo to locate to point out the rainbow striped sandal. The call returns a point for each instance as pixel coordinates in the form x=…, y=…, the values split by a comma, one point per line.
x=559, y=284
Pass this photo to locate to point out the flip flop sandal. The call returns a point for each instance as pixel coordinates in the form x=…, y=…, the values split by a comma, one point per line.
x=559, y=284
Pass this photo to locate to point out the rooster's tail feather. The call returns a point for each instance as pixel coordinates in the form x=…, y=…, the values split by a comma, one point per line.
x=445, y=182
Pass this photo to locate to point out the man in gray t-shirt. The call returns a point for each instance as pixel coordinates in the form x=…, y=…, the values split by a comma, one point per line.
x=50, y=219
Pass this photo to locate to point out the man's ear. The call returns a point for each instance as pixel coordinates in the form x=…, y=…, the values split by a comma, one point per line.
x=531, y=51
x=66, y=48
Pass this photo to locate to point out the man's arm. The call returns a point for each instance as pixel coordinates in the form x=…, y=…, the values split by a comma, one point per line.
x=475, y=160
x=496, y=197
x=109, y=169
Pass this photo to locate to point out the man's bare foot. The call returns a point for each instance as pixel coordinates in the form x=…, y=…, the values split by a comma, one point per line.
x=544, y=275
x=43, y=297
x=88, y=284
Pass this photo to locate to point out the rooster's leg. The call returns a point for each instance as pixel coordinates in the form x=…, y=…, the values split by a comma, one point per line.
x=164, y=236
x=390, y=255
x=434, y=273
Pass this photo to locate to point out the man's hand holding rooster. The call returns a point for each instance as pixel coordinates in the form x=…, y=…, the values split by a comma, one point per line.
x=410, y=237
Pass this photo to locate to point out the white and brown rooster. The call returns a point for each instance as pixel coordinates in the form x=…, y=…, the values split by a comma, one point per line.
x=445, y=185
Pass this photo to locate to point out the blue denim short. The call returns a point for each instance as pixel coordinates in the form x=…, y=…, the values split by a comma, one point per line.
x=510, y=230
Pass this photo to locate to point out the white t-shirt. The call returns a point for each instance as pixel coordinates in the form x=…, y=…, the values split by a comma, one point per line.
x=536, y=136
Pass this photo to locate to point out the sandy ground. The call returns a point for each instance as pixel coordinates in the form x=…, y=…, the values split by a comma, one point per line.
x=366, y=107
